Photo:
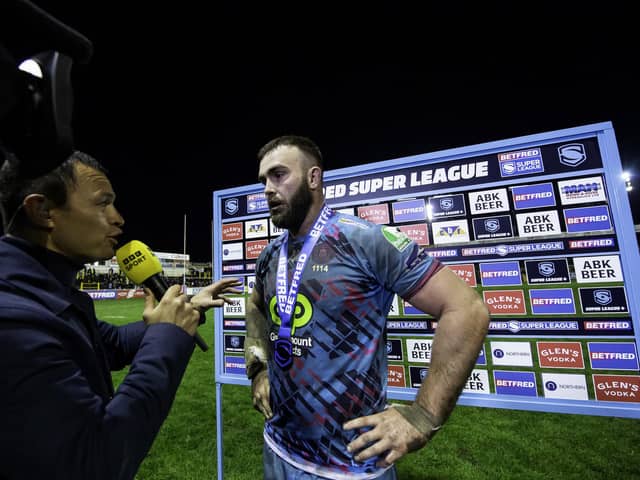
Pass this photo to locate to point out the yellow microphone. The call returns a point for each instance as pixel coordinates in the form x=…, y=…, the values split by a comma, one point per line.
x=142, y=267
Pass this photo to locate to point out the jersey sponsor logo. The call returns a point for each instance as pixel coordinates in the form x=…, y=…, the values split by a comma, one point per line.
x=582, y=190
x=515, y=383
x=572, y=154
x=555, y=270
x=446, y=206
x=587, y=219
x=552, y=301
x=500, y=274
x=408, y=211
x=397, y=238
x=538, y=224
x=520, y=162
x=613, y=355
x=565, y=385
x=533, y=196
x=560, y=354
x=603, y=300
x=604, y=268
x=302, y=312
x=617, y=388
x=452, y=231
x=505, y=302
x=489, y=201
x=375, y=213
x=493, y=227
x=232, y=231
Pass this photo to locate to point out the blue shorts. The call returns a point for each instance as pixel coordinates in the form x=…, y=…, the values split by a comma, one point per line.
x=276, y=468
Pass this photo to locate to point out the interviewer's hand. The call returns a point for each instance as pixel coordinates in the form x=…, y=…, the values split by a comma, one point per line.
x=172, y=308
x=389, y=435
x=261, y=393
x=211, y=295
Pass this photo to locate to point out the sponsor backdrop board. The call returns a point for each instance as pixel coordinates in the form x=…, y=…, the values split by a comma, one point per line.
x=539, y=225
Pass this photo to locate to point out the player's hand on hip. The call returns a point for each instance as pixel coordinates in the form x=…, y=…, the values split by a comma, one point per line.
x=261, y=393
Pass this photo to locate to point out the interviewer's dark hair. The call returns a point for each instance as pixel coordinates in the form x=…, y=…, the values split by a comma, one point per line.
x=303, y=143
x=15, y=185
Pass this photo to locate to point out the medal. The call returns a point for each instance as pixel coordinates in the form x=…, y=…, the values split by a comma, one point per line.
x=283, y=353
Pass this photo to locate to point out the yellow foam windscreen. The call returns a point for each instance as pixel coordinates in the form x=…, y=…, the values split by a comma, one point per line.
x=137, y=261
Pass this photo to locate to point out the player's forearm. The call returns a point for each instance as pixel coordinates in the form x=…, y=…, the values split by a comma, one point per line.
x=256, y=345
x=455, y=349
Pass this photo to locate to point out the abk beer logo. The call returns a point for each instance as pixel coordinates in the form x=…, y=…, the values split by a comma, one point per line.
x=232, y=231
x=603, y=300
x=375, y=213
x=447, y=206
x=466, y=272
x=235, y=309
x=603, y=268
x=538, y=224
x=565, y=385
x=489, y=201
x=533, y=196
x=617, y=388
x=477, y=382
x=395, y=376
x=505, y=302
x=452, y=231
x=560, y=355
x=521, y=162
x=552, y=301
x=553, y=270
x=419, y=351
x=492, y=227
x=408, y=211
x=581, y=190
x=515, y=383
x=587, y=219
x=572, y=154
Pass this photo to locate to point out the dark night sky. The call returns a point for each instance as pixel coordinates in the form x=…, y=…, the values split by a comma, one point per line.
x=177, y=100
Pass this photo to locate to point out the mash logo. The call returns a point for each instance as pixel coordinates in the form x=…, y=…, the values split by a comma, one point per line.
x=521, y=162
x=603, y=300
x=554, y=270
x=396, y=237
x=447, y=206
x=587, y=219
x=582, y=190
x=533, y=196
x=560, y=355
x=505, y=302
x=452, y=231
x=396, y=376
x=493, y=227
x=617, y=388
x=572, y=154
x=538, y=224
x=565, y=385
x=489, y=201
x=552, y=301
x=605, y=268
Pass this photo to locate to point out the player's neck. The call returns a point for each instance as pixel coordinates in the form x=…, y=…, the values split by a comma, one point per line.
x=309, y=220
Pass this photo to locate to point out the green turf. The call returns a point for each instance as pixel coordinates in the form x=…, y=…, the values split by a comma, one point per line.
x=477, y=443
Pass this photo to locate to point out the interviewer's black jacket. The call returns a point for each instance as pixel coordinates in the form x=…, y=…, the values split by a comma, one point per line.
x=59, y=415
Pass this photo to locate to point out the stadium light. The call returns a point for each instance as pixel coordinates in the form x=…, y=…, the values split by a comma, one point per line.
x=626, y=176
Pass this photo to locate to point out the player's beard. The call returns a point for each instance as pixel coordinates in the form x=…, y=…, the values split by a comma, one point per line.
x=295, y=211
